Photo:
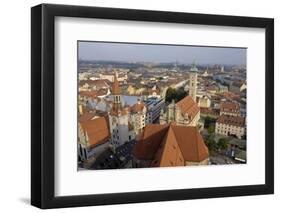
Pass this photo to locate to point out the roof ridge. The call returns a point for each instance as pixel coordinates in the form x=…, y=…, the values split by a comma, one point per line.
x=164, y=145
x=197, y=144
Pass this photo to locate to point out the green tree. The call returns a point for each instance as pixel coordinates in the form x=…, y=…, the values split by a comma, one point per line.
x=211, y=129
x=211, y=144
x=170, y=95
x=208, y=121
x=222, y=144
x=173, y=94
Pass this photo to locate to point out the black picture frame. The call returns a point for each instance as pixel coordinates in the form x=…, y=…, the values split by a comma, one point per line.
x=43, y=105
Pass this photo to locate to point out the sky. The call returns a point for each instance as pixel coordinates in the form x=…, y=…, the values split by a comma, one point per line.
x=132, y=52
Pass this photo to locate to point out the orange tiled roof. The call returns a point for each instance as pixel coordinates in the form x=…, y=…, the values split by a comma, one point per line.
x=230, y=107
x=209, y=111
x=86, y=116
x=97, y=130
x=89, y=94
x=188, y=105
x=137, y=107
x=231, y=120
x=170, y=145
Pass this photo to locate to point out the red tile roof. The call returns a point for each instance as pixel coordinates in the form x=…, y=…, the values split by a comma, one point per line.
x=189, y=106
x=97, y=130
x=137, y=107
x=231, y=120
x=229, y=107
x=170, y=145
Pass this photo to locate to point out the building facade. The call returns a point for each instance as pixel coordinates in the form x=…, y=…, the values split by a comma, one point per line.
x=120, y=128
x=231, y=126
x=204, y=101
x=154, y=106
x=93, y=137
x=138, y=117
x=185, y=113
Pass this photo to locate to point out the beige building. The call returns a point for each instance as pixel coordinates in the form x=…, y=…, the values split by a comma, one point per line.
x=170, y=145
x=231, y=126
x=131, y=90
x=185, y=113
x=110, y=77
x=138, y=116
x=204, y=101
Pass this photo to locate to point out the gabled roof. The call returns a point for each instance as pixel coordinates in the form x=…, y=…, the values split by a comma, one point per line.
x=169, y=153
x=97, y=130
x=170, y=145
x=189, y=106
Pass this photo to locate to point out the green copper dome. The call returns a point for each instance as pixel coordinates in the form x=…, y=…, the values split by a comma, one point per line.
x=193, y=68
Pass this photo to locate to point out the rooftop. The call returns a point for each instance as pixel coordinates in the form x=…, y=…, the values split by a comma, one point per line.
x=170, y=145
x=97, y=130
x=231, y=120
x=188, y=105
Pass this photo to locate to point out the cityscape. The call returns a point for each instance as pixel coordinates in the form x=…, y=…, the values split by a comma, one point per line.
x=150, y=105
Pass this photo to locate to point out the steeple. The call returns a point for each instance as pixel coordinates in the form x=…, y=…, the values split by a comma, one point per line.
x=116, y=95
x=193, y=81
x=115, y=87
x=193, y=67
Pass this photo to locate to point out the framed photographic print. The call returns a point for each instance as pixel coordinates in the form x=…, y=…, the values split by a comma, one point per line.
x=139, y=106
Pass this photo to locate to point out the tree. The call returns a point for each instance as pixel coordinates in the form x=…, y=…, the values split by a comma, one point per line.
x=173, y=94
x=222, y=144
x=211, y=129
x=211, y=144
x=208, y=121
x=170, y=95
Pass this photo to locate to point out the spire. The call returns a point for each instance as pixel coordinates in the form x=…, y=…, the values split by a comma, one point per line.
x=193, y=67
x=115, y=87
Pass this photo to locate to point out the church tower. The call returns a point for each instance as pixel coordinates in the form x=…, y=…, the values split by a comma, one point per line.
x=116, y=94
x=193, y=81
x=118, y=118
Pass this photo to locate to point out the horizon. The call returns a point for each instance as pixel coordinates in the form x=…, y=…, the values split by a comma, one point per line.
x=160, y=53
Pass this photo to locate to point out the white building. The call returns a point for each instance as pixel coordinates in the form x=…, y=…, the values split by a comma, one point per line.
x=231, y=126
